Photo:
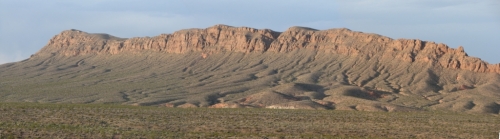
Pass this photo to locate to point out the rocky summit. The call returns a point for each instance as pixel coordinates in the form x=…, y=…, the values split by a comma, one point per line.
x=237, y=67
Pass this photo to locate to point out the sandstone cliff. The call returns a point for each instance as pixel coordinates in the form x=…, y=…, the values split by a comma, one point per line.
x=244, y=39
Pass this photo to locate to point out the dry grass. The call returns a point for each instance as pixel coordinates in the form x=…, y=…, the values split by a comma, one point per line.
x=33, y=120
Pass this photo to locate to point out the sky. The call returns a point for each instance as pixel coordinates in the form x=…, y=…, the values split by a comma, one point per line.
x=27, y=25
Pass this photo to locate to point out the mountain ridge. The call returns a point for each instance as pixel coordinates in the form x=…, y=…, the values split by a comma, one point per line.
x=242, y=67
x=245, y=39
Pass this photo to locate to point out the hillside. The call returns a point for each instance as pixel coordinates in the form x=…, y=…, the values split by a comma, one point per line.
x=224, y=66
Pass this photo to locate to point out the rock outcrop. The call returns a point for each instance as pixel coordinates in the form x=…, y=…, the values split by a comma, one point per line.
x=244, y=39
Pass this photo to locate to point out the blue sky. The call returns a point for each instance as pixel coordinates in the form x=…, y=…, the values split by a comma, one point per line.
x=26, y=26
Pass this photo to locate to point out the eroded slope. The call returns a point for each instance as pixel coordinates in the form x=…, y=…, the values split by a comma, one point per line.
x=223, y=66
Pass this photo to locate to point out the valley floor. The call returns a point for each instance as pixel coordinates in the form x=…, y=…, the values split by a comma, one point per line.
x=34, y=120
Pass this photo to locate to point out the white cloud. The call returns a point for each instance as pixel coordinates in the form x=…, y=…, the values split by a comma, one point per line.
x=4, y=59
x=14, y=57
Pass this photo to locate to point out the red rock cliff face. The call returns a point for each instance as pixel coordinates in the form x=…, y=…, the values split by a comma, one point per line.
x=216, y=38
x=243, y=39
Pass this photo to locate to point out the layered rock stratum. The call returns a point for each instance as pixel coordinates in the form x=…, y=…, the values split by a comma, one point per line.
x=232, y=67
x=244, y=39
